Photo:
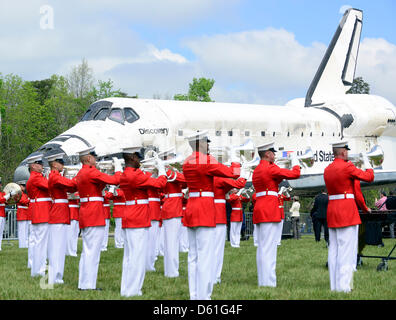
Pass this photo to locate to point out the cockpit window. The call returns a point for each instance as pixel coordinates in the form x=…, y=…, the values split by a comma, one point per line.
x=130, y=115
x=102, y=114
x=87, y=115
x=116, y=115
x=94, y=108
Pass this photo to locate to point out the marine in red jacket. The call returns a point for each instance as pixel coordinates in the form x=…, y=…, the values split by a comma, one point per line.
x=341, y=178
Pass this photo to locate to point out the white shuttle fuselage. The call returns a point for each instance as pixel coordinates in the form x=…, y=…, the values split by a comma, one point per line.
x=326, y=114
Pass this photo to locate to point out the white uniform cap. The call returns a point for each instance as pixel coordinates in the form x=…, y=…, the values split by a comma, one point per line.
x=267, y=146
x=340, y=144
x=54, y=157
x=86, y=151
x=165, y=153
x=131, y=150
x=35, y=159
x=200, y=135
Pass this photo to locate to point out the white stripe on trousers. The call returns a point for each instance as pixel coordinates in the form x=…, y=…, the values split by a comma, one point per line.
x=200, y=262
x=171, y=246
x=134, y=261
x=118, y=234
x=23, y=233
x=2, y=224
x=153, y=235
x=235, y=234
x=268, y=239
x=57, y=245
x=92, y=239
x=220, y=237
x=342, y=256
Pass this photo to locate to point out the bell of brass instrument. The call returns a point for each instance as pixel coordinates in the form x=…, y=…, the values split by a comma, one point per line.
x=71, y=171
x=375, y=156
x=106, y=166
x=306, y=160
x=223, y=151
x=16, y=189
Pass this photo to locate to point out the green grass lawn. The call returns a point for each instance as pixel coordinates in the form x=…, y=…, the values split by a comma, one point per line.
x=301, y=275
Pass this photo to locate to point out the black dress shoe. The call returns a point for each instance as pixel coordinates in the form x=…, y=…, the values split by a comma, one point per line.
x=97, y=289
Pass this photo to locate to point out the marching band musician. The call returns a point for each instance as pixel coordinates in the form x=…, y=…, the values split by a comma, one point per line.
x=90, y=183
x=236, y=218
x=118, y=198
x=342, y=215
x=155, y=217
x=221, y=186
x=40, y=205
x=59, y=218
x=74, y=229
x=3, y=199
x=199, y=170
x=23, y=217
x=171, y=213
x=266, y=213
x=136, y=220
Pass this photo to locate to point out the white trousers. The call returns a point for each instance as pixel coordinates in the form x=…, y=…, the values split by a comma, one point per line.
x=201, y=262
x=2, y=223
x=31, y=242
x=57, y=245
x=92, y=240
x=171, y=246
x=160, y=245
x=219, y=244
x=280, y=232
x=342, y=256
x=72, y=238
x=153, y=234
x=106, y=235
x=235, y=234
x=23, y=233
x=268, y=238
x=183, y=243
x=134, y=261
x=118, y=234
x=255, y=242
x=40, y=249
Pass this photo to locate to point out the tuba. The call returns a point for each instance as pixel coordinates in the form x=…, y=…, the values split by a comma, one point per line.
x=375, y=156
x=16, y=189
x=306, y=160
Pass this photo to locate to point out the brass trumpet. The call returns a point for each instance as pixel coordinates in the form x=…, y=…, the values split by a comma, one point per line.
x=375, y=156
x=306, y=160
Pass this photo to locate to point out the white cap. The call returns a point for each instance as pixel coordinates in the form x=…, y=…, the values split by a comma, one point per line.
x=55, y=157
x=267, y=146
x=168, y=152
x=200, y=135
x=340, y=144
x=131, y=150
x=87, y=151
x=35, y=159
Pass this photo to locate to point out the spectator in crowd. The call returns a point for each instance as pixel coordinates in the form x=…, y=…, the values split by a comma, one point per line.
x=318, y=215
x=295, y=217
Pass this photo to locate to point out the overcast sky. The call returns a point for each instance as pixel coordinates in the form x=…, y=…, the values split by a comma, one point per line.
x=257, y=51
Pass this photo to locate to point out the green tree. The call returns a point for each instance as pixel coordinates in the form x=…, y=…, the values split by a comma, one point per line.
x=199, y=91
x=359, y=86
x=105, y=89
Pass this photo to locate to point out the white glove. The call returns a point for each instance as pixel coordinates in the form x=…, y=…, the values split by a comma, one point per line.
x=112, y=189
x=117, y=164
x=366, y=162
x=161, y=167
x=7, y=196
x=294, y=159
x=245, y=173
x=282, y=190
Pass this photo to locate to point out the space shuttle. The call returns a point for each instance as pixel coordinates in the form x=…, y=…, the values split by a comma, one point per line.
x=326, y=114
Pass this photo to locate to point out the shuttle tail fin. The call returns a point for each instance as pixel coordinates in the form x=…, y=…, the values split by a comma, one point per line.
x=337, y=70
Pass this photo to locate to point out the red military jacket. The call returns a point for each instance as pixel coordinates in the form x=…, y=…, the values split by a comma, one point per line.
x=23, y=207
x=359, y=199
x=266, y=177
x=220, y=187
x=154, y=197
x=134, y=183
x=58, y=187
x=199, y=171
x=90, y=183
x=281, y=199
x=236, y=206
x=118, y=204
x=2, y=204
x=340, y=178
x=173, y=201
x=106, y=204
x=74, y=206
x=40, y=199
